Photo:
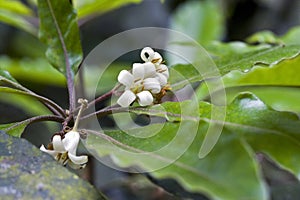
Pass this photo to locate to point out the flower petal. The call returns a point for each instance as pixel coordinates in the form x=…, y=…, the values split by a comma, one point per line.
x=145, y=98
x=157, y=59
x=58, y=144
x=79, y=160
x=126, y=98
x=152, y=84
x=149, y=69
x=138, y=71
x=51, y=152
x=161, y=79
x=147, y=54
x=163, y=69
x=125, y=78
x=71, y=141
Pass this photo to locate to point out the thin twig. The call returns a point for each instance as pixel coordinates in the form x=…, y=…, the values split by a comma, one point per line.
x=106, y=111
x=105, y=96
x=51, y=105
x=38, y=119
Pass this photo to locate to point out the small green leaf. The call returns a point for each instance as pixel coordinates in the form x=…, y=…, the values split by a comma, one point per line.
x=14, y=129
x=5, y=75
x=92, y=7
x=59, y=30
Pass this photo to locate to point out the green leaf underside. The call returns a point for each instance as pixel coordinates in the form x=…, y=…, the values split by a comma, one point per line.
x=93, y=7
x=59, y=30
x=250, y=127
x=5, y=75
x=14, y=129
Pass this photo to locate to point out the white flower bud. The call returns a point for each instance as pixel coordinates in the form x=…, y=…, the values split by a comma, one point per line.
x=147, y=54
x=145, y=98
x=126, y=98
x=152, y=84
x=126, y=78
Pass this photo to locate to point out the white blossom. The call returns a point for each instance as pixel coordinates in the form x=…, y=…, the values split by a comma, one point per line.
x=64, y=150
x=145, y=80
x=135, y=87
x=63, y=147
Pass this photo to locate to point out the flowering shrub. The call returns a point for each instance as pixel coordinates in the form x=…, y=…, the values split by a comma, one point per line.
x=219, y=112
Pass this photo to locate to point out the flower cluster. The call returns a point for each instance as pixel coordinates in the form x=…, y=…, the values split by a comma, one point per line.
x=64, y=145
x=147, y=82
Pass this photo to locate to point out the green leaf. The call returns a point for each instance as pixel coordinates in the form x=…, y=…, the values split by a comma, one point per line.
x=59, y=30
x=277, y=85
x=22, y=69
x=239, y=56
x=31, y=174
x=201, y=20
x=235, y=57
x=250, y=127
x=92, y=7
x=14, y=129
x=5, y=75
x=268, y=56
x=14, y=13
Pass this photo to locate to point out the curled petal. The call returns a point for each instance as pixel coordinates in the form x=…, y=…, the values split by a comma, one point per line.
x=58, y=144
x=51, y=152
x=152, y=84
x=71, y=141
x=161, y=79
x=163, y=69
x=79, y=160
x=138, y=71
x=157, y=59
x=147, y=54
x=126, y=98
x=125, y=78
x=145, y=98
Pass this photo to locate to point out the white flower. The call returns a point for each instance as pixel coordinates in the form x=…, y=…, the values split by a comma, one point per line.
x=136, y=87
x=147, y=79
x=64, y=150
